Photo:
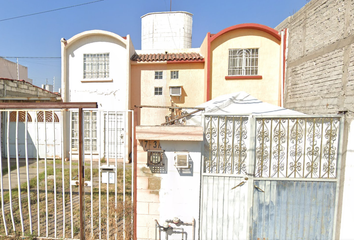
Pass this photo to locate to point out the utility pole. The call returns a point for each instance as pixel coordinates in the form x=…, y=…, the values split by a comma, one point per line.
x=170, y=5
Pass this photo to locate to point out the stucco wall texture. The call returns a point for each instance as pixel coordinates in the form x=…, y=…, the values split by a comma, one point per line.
x=264, y=89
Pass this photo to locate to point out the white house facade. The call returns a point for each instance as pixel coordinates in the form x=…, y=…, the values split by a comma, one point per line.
x=96, y=68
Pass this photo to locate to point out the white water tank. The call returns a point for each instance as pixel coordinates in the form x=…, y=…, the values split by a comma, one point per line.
x=47, y=87
x=166, y=30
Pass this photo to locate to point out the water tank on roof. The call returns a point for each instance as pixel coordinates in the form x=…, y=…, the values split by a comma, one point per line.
x=47, y=87
x=166, y=30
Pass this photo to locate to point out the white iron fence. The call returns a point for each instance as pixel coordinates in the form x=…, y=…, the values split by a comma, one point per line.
x=270, y=177
x=39, y=178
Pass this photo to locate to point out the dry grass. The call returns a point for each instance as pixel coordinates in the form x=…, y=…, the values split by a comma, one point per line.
x=62, y=219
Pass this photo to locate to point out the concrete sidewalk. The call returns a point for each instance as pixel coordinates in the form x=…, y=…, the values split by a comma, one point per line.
x=32, y=172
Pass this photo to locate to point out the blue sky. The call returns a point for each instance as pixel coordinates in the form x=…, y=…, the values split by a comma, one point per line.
x=39, y=35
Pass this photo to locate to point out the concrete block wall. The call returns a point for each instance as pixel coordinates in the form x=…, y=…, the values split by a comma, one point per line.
x=20, y=88
x=320, y=80
x=319, y=73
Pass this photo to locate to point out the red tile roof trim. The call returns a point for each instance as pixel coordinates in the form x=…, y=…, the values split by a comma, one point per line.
x=186, y=61
x=168, y=57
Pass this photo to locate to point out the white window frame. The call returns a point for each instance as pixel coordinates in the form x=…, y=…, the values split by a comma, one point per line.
x=174, y=74
x=87, y=132
x=243, y=62
x=96, y=66
x=158, y=91
x=158, y=75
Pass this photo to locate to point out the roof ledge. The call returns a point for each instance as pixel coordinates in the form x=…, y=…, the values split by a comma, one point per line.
x=255, y=26
x=170, y=133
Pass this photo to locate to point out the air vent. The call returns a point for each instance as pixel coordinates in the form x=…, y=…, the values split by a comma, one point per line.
x=175, y=91
x=181, y=160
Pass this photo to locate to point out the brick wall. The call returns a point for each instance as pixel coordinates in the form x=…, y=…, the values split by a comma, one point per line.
x=320, y=71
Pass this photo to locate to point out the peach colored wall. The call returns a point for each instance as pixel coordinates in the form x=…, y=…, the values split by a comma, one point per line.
x=142, y=92
x=191, y=77
x=265, y=89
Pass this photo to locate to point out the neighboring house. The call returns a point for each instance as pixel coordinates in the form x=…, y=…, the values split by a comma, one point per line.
x=319, y=80
x=245, y=57
x=96, y=68
x=12, y=70
x=173, y=78
x=23, y=92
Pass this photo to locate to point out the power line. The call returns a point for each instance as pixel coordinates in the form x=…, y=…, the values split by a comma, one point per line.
x=57, y=9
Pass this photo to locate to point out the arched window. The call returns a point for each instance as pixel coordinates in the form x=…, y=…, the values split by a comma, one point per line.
x=21, y=116
x=48, y=116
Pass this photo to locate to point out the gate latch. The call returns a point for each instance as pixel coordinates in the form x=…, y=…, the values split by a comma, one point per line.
x=239, y=185
x=259, y=189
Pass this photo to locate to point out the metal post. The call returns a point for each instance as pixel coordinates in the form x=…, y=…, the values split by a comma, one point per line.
x=81, y=177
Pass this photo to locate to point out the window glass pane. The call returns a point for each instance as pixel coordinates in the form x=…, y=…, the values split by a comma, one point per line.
x=74, y=143
x=174, y=74
x=243, y=62
x=94, y=145
x=158, y=90
x=96, y=65
x=90, y=130
x=158, y=74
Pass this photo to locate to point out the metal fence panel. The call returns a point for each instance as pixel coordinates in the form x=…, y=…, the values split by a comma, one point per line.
x=293, y=210
x=39, y=187
x=297, y=147
x=226, y=144
x=291, y=180
x=224, y=208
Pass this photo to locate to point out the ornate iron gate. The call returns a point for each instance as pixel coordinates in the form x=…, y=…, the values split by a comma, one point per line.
x=280, y=172
x=225, y=175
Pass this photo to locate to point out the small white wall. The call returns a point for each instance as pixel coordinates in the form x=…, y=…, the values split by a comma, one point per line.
x=110, y=93
x=180, y=191
x=166, y=30
x=46, y=135
x=347, y=220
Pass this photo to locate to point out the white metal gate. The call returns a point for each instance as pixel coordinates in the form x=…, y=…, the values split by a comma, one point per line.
x=270, y=177
x=225, y=178
x=40, y=196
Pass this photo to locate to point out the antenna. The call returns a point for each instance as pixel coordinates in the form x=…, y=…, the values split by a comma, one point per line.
x=170, y=5
x=18, y=71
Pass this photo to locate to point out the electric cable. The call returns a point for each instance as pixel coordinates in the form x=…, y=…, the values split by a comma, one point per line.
x=47, y=11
